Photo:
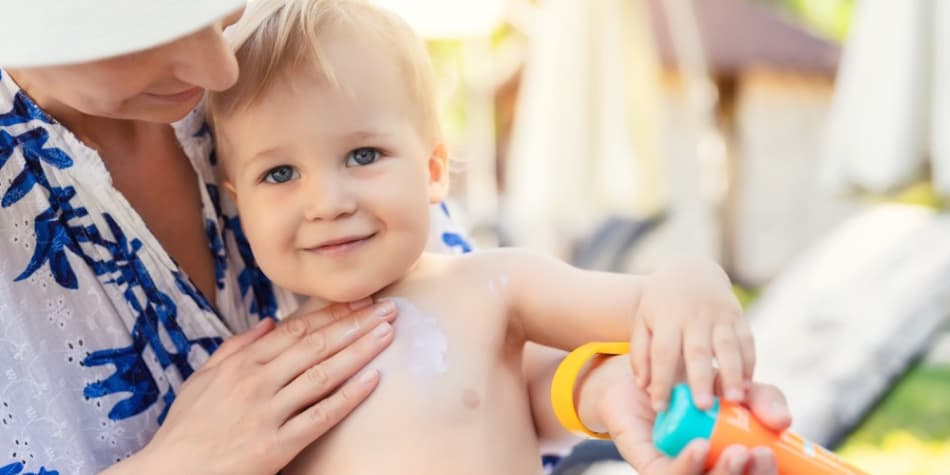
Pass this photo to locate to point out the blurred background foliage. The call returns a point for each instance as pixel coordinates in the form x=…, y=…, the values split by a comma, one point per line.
x=908, y=432
x=830, y=17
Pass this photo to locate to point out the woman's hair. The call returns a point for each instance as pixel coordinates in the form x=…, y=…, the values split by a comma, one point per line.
x=277, y=37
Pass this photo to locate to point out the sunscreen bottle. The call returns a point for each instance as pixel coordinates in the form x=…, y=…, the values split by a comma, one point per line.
x=726, y=424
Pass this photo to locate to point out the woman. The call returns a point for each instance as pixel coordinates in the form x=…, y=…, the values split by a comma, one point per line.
x=120, y=278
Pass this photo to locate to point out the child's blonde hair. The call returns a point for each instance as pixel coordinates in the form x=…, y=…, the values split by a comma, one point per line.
x=275, y=37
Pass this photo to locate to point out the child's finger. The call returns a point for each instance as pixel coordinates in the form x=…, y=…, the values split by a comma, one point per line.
x=665, y=349
x=747, y=344
x=698, y=354
x=729, y=356
x=640, y=353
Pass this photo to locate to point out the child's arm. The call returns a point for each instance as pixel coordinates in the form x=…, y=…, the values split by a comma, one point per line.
x=682, y=314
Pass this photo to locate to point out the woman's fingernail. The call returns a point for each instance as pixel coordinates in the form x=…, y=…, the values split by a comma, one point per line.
x=659, y=406
x=354, y=329
x=368, y=376
x=699, y=450
x=382, y=330
x=384, y=309
x=779, y=410
x=736, y=464
x=361, y=303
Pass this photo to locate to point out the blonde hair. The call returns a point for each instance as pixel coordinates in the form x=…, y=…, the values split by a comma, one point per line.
x=275, y=37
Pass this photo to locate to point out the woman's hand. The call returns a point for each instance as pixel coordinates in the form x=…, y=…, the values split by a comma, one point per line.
x=268, y=393
x=611, y=401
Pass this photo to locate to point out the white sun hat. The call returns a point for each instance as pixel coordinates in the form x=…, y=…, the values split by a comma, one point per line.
x=54, y=32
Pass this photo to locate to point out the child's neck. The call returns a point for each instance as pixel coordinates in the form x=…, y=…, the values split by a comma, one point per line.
x=419, y=269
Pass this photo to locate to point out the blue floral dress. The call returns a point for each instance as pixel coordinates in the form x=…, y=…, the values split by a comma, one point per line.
x=98, y=325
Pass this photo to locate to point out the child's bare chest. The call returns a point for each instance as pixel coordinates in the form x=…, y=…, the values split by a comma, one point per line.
x=446, y=354
x=452, y=393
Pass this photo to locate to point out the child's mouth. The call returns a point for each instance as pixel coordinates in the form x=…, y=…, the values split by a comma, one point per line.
x=341, y=246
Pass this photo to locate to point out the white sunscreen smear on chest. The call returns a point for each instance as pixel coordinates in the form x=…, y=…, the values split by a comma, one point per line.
x=425, y=343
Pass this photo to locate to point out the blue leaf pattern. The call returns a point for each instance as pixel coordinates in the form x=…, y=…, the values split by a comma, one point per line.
x=32, y=145
x=24, y=110
x=156, y=312
x=93, y=251
x=16, y=468
x=7, y=144
x=89, y=252
x=252, y=280
x=217, y=252
x=455, y=240
x=54, y=237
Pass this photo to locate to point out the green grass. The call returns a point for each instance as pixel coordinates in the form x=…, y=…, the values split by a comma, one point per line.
x=918, y=405
x=909, y=432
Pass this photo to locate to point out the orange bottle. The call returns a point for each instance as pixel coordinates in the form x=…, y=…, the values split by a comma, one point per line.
x=728, y=424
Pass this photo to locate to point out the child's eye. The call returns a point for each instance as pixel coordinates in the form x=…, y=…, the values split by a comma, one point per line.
x=281, y=174
x=362, y=157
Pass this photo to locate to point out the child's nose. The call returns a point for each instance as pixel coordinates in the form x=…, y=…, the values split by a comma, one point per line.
x=328, y=199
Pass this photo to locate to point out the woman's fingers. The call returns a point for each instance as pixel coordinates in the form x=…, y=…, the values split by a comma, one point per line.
x=238, y=342
x=321, y=344
x=690, y=461
x=304, y=428
x=763, y=462
x=319, y=380
x=732, y=461
x=295, y=328
x=769, y=406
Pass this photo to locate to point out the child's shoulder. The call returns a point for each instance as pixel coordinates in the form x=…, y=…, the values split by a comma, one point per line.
x=507, y=261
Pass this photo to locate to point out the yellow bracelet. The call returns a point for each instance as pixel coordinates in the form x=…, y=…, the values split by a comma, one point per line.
x=565, y=378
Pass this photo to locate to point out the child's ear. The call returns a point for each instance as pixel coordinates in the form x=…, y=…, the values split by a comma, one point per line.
x=438, y=174
x=227, y=185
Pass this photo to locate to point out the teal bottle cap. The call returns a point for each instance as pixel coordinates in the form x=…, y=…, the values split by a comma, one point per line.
x=682, y=422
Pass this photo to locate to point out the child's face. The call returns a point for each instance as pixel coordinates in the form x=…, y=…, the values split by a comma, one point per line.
x=333, y=184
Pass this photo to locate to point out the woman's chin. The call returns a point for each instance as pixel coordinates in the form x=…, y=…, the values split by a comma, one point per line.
x=162, y=112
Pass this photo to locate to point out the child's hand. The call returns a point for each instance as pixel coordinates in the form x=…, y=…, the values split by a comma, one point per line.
x=689, y=316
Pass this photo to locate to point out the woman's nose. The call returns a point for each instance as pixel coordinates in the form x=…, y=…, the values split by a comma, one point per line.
x=205, y=59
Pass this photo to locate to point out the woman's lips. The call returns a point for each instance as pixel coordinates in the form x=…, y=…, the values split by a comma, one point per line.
x=340, y=246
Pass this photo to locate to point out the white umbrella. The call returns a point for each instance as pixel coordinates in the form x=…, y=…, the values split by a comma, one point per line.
x=584, y=141
x=890, y=117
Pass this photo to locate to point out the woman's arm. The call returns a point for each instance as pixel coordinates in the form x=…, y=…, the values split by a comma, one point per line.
x=539, y=363
x=268, y=393
x=609, y=400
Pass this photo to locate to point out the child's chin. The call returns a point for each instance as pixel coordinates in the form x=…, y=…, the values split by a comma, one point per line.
x=351, y=294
